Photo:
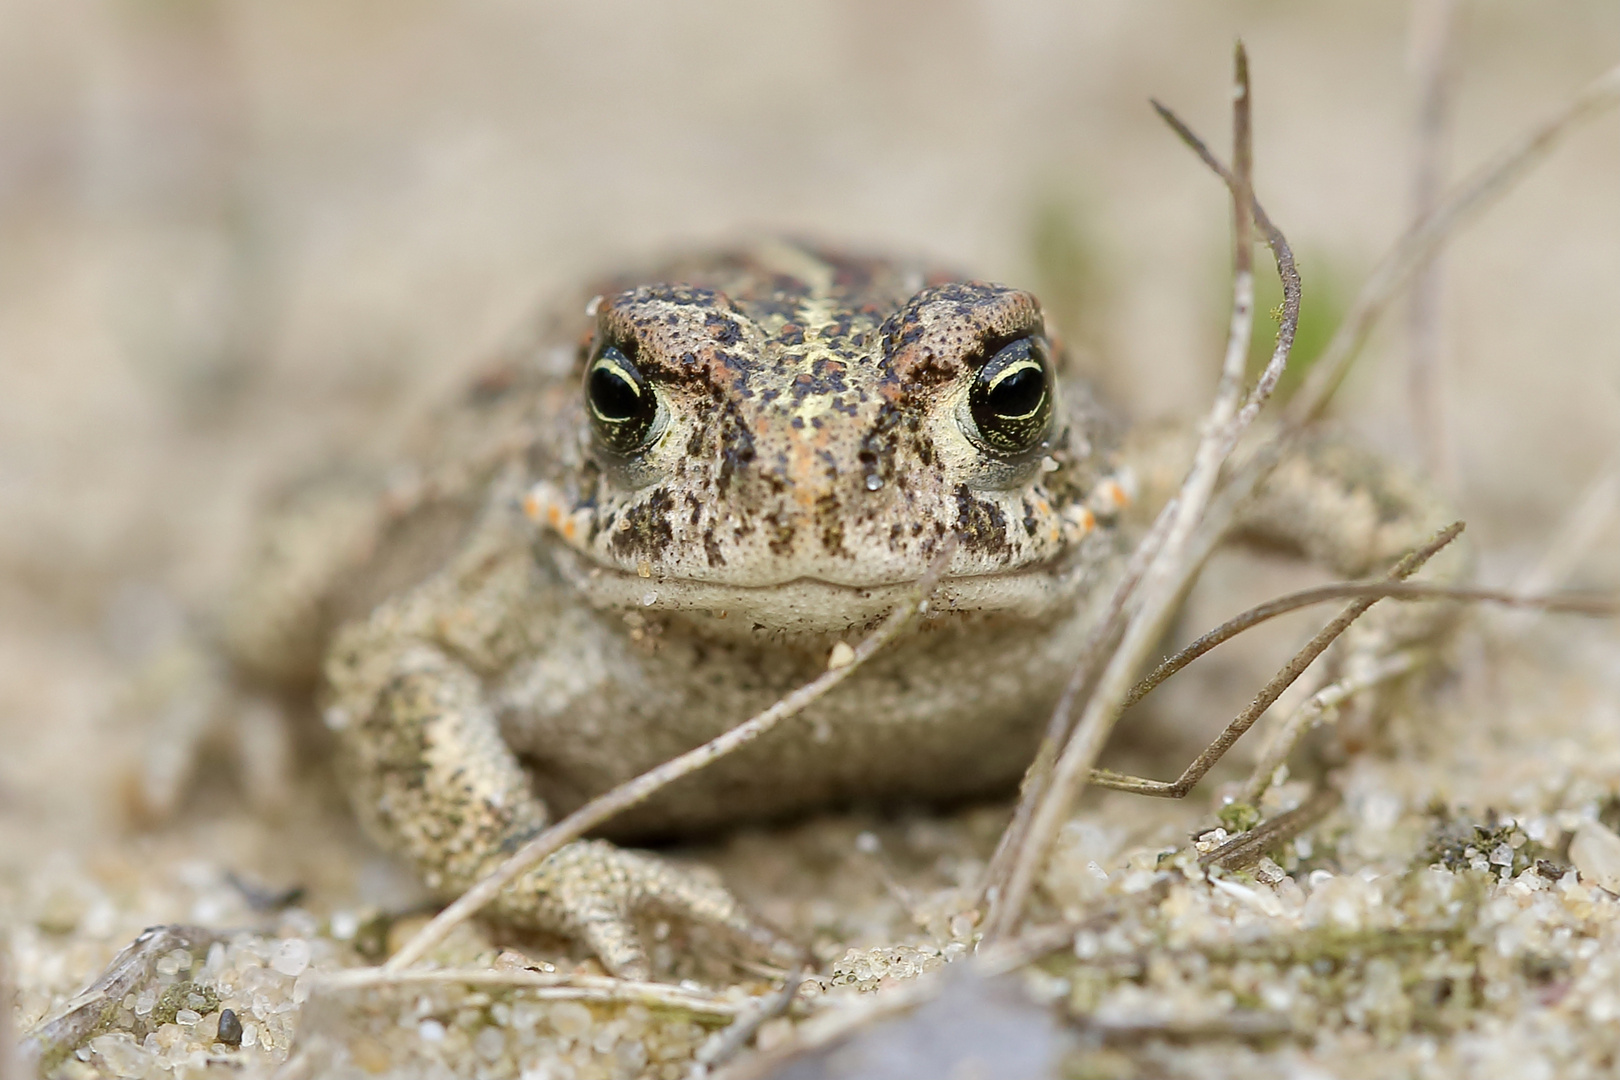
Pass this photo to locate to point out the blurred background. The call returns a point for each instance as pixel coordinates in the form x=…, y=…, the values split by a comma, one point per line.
x=233, y=236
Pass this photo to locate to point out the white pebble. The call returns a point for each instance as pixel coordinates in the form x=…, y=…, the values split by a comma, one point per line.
x=1595, y=851
x=291, y=956
x=345, y=924
x=570, y=1019
x=430, y=1030
x=489, y=1044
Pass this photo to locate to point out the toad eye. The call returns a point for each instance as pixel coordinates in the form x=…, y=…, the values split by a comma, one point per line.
x=1011, y=397
x=623, y=407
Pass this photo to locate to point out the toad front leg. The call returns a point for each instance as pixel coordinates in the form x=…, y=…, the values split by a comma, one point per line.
x=431, y=777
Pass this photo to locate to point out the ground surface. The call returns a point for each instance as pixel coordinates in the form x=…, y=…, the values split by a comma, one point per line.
x=238, y=238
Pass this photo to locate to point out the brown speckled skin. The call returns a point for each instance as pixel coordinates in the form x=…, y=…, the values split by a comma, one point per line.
x=529, y=619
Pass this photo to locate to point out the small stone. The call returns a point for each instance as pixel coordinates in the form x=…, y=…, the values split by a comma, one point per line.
x=842, y=655
x=570, y=1019
x=1595, y=851
x=1268, y=872
x=230, y=1028
x=490, y=1044
x=291, y=956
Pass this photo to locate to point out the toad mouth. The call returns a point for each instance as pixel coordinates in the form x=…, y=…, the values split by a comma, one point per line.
x=815, y=605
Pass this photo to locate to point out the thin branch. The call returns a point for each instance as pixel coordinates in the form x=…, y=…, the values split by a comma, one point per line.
x=1037, y=779
x=1579, y=530
x=10, y=1066
x=1270, y=610
x=1462, y=204
x=1168, y=574
x=1268, y=694
x=1433, y=27
x=1245, y=850
x=727, y=1044
x=540, y=984
x=1569, y=603
x=633, y=791
x=1318, y=705
x=1424, y=238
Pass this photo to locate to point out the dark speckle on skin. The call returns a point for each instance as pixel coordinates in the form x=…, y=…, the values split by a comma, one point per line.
x=811, y=393
x=982, y=525
x=711, y=549
x=645, y=527
x=780, y=534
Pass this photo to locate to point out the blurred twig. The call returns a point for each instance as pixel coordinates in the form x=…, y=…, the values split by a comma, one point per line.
x=1465, y=200
x=1423, y=238
x=1268, y=694
x=1578, y=531
x=1242, y=852
x=545, y=986
x=1168, y=572
x=1433, y=33
x=10, y=1067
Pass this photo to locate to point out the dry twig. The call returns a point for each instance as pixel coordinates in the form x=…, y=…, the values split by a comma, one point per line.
x=1462, y=204
x=1292, y=670
x=10, y=1067
x=1244, y=851
x=1571, y=603
x=541, y=985
x=1168, y=573
x=1433, y=26
x=631, y=792
x=1579, y=530
x=726, y=1044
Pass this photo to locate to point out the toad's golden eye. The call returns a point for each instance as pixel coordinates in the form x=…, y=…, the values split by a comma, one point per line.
x=623, y=407
x=1011, y=397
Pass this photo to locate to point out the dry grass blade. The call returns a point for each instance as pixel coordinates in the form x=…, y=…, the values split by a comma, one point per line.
x=1244, y=851
x=1579, y=530
x=10, y=1068
x=1570, y=603
x=727, y=1044
x=1433, y=26
x=1425, y=237
x=1038, y=777
x=1168, y=574
x=541, y=985
x=631, y=792
x=88, y=1011
x=1258, y=614
x=1418, y=243
x=1273, y=689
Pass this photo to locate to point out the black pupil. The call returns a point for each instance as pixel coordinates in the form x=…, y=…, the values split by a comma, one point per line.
x=1011, y=398
x=623, y=407
x=614, y=397
x=1019, y=394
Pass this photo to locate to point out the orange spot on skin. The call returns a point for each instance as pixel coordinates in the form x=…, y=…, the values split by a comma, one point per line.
x=570, y=528
x=1115, y=493
x=531, y=507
